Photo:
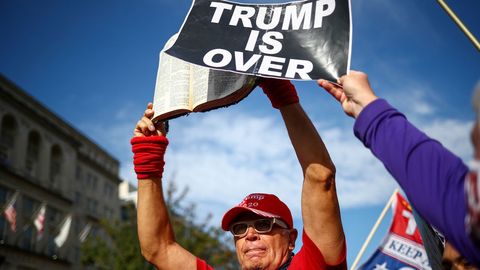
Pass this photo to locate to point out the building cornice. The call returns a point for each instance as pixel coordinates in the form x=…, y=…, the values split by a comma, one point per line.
x=17, y=97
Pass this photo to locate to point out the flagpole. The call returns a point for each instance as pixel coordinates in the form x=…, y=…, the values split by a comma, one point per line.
x=374, y=229
x=459, y=23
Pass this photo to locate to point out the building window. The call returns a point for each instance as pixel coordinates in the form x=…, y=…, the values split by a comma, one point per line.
x=107, y=190
x=3, y=221
x=56, y=162
x=33, y=154
x=7, y=139
x=27, y=240
x=53, y=217
x=94, y=182
x=76, y=254
x=91, y=181
x=78, y=198
x=29, y=206
x=79, y=174
x=94, y=231
x=51, y=248
x=92, y=206
x=52, y=223
x=107, y=212
x=77, y=226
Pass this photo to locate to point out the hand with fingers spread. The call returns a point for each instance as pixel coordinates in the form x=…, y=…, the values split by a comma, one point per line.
x=354, y=94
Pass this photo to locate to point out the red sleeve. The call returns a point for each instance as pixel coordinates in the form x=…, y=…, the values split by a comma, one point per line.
x=310, y=257
x=202, y=265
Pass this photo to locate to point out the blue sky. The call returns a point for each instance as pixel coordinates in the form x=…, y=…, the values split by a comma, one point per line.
x=94, y=63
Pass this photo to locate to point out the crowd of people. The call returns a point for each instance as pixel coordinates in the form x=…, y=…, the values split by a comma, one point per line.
x=441, y=188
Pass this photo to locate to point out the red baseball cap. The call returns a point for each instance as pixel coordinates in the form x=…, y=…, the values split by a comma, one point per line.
x=265, y=205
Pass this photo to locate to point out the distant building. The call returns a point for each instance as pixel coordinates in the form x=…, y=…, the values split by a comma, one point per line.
x=47, y=162
x=128, y=195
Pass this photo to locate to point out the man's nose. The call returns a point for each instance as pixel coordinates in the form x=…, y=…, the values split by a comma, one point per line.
x=251, y=233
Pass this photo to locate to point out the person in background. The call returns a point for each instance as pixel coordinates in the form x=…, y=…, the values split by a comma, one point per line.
x=452, y=260
x=261, y=224
x=472, y=187
x=431, y=176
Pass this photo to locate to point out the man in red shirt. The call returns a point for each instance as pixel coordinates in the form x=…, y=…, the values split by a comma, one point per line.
x=261, y=224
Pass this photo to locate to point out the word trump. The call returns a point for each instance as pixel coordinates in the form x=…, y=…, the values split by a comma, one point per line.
x=294, y=17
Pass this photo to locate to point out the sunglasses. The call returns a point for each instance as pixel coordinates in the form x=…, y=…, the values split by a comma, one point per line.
x=239, y=229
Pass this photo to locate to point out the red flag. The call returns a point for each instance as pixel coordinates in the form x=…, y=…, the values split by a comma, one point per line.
x=404, y=224
x=11, y=213
x=403, y=247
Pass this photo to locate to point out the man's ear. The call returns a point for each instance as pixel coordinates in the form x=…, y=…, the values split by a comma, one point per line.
x=292, y=238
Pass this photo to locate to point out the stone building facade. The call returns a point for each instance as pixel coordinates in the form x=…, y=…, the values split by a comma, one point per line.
x=45, y=161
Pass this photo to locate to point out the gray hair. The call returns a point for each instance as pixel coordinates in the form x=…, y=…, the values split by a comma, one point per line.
x=476, y=99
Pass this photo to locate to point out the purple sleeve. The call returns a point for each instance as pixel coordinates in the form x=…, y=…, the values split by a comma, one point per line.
x=431, y=176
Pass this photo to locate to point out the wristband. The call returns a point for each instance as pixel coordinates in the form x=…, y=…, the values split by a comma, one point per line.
x=280, y=92
x=148, y=156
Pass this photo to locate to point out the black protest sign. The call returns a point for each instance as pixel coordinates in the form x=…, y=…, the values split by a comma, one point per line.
x=304, y=40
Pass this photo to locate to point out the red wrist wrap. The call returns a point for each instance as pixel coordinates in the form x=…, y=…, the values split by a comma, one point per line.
x=148, y=153
x=280, y=92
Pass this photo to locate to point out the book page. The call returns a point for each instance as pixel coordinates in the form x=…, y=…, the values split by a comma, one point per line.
x=173, y=83
x=222, y=84
x=200, y=84
x=215, y=84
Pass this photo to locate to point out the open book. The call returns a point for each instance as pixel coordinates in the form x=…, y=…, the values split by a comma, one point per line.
x=182, y=87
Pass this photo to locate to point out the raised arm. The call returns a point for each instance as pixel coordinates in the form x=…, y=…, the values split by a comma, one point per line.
x=320, y=209
x=431, y=176
x=155, y=232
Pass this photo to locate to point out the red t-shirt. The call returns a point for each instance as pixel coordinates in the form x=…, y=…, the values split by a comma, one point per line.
x=309, y=257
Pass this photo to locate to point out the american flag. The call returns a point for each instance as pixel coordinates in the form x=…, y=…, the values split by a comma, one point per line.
x=39, y=221
x=11, y=213
x=403, y=248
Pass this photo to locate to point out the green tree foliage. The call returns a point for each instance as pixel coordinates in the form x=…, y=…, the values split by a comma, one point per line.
x=116, y=245
x=203, y=240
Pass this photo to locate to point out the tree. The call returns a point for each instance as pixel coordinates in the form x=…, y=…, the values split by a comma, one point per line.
x=203, y=240
x=117, y=246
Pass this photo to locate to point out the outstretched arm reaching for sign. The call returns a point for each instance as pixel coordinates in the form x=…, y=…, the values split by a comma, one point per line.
x=155, y=232
x=432, y=177
x=320, y=209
